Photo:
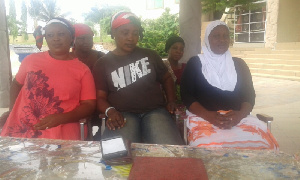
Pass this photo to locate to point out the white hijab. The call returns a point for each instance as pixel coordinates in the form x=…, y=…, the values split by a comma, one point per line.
x=218, y=69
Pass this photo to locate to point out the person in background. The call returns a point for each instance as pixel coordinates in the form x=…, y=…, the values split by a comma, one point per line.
x=218, y=92
x=175, y=49
x=52, y=90
x=38, y=36
x=128, y=81
x=83, y=45
x=83, y=50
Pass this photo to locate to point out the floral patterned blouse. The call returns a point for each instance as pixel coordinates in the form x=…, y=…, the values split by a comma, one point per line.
x=50, y=86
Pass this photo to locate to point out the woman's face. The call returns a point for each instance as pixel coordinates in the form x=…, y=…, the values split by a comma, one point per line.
x=126, y=37
x=84, y=42
x=58, y=38
x=176, y=51
x=219, y=39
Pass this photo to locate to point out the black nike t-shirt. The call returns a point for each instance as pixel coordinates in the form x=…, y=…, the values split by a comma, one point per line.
x=132, y=82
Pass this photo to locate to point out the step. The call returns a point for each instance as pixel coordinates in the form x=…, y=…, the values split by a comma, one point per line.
x=264, y=52
x=274, y=66
x=241, y=49
x=253, y=51
x=271, y=61
x=288, y=48
x=283, y=62
x=292, y=78
x=275, y=72
x=296, y=52
x=288, y=45
x=274, y=56
x=248, y=45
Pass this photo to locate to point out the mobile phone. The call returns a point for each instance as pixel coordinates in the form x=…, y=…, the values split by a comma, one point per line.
x=113, y=148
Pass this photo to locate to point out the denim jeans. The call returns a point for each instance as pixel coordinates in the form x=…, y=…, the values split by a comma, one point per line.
x=153, y=127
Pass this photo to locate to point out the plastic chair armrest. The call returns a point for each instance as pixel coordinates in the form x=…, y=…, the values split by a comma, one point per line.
x=265, y=118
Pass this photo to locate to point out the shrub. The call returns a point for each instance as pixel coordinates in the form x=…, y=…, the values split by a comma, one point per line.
x=157, y=31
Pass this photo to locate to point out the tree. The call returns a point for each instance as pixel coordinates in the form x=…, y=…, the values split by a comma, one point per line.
x=12, y=22
x=44, y=10
x=12, y=9
x=102, y=16
x=24, y=21
x=157, y=31
x=220, y=5
x=34, y=10
x=49, y=10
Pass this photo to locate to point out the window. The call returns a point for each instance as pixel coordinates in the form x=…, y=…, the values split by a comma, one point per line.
x=249, y=25
x=155, y=4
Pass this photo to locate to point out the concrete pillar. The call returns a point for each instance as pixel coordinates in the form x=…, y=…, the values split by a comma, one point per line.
x=272, y=22
x=190, y=27
x=5, y=66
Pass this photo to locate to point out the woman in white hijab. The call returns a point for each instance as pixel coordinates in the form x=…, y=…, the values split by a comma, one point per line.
x=218, y=92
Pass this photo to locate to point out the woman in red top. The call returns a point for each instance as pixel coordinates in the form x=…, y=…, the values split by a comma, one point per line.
x=52, y=90
x=83, y=45
x=175, y=49
x=37, y=34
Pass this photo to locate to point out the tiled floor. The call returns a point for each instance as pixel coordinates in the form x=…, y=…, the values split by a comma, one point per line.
x=280, y=99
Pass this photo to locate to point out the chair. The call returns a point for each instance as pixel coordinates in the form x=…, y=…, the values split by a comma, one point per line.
x=90, y=123
x=82, y=122
x=102, y=126
x=263, y=117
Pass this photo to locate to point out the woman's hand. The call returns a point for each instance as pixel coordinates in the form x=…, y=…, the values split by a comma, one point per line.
x=224, y=120
x=85, y=109
x=169, y=88
x=115, y=119
x=221, y=119
x=50, y=121
x=171, y=107
x=234, y=118
x=217, y=119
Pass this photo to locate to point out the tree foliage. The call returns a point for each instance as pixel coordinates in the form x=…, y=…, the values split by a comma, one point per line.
x=34, y=10
x=44, y=10
x=49, y=10
x=220, y=5
x=12, y=22
x=24, y=21
x=102, y=16
x=157, y=31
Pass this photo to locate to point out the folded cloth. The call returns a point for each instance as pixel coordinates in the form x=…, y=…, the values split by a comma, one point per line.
x=250, y=133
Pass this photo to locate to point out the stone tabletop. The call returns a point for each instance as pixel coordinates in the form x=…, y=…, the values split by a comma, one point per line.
x=59, y=159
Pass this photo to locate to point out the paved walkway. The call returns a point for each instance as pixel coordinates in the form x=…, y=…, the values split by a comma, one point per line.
x=280, y=99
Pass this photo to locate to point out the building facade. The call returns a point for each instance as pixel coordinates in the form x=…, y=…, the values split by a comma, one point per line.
x=274, y=21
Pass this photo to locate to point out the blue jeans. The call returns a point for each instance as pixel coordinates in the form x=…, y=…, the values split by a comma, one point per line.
x=153, y=127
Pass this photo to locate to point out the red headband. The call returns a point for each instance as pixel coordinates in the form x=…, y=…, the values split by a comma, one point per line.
x=82, y=29
x=121, y=19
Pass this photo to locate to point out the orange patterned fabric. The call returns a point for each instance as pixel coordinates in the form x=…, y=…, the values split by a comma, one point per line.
x=250, y=133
